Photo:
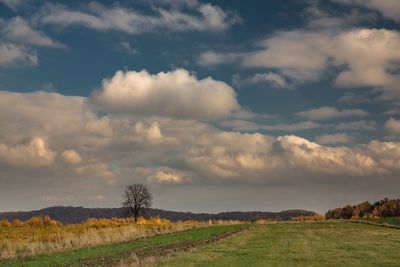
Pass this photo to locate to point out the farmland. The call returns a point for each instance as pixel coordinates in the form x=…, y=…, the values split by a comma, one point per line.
x=127, y=251
x=326, y=243
x=299, y=244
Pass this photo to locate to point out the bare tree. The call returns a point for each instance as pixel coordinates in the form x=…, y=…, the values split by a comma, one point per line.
x=136, y=198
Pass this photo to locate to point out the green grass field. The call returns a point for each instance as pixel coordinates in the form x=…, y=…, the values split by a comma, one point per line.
x=387, y=220
x=114, y=254
x=299, y=244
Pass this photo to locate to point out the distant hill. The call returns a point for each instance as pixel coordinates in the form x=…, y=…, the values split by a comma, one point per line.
x=68, y=215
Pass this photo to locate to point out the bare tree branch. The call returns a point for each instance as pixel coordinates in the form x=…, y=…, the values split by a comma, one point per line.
x=135, y=199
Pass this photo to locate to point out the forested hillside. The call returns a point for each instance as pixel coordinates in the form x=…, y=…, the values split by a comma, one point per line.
x=69, y=215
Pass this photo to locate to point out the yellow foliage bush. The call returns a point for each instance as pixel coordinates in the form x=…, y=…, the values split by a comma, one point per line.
x=34, y=222
x=17, y=223
x=5, y=223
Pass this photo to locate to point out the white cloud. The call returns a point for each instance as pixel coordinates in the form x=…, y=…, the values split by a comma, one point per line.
x=97, y=169
x=210, y=58
x=203, y=17
x=369, y=55
x=34, y=154
x=69, y=126
x=176, y=3
x=299, y=55
x=329, y=160
x=152, y=134
x=393, y=126
x=13, y=4
x=25, y=111
x=115, y=150
x=18, y=29
x=243, y=113
x=126, y=47
x=386, y=154
x=49, y=87
x=11, y=55
x=176, y=93
x=71, y=156
x=330, y=112
x=356, y=125
x=100, y=127
x=292, y=127
x=388, y=8
x=302, y=55
x=366, y=57
x=319, y=17
x=351, y=98
x=333, y=138
x=242, y=125
x=167, y=175
x=272, y=78
x=228, y=154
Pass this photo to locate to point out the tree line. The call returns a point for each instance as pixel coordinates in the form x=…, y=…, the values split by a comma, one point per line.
x=383, y=208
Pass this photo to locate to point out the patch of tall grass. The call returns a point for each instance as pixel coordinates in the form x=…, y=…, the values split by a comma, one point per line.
x=40, y=236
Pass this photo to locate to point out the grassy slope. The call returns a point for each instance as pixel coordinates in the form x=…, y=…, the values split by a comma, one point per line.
x=300, y=244
x=116, y=251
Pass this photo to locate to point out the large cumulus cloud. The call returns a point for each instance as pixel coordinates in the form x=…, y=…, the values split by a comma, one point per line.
x=103, y=154
x=177, y=93
x=75, y=140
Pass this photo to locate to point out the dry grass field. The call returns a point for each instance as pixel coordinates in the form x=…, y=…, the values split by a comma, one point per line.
x=38, y=236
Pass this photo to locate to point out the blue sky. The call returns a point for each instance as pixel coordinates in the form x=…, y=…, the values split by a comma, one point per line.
x=216, y=105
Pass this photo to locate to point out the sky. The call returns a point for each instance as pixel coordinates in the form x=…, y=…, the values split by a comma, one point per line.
x=214, y=105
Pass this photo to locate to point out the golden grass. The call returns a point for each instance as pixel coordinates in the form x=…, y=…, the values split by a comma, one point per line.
x=38, y=236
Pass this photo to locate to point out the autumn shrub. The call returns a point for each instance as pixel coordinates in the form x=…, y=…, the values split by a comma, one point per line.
x=5, y=223
x=49, y=222
x=34, y=222
x=17, y=223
